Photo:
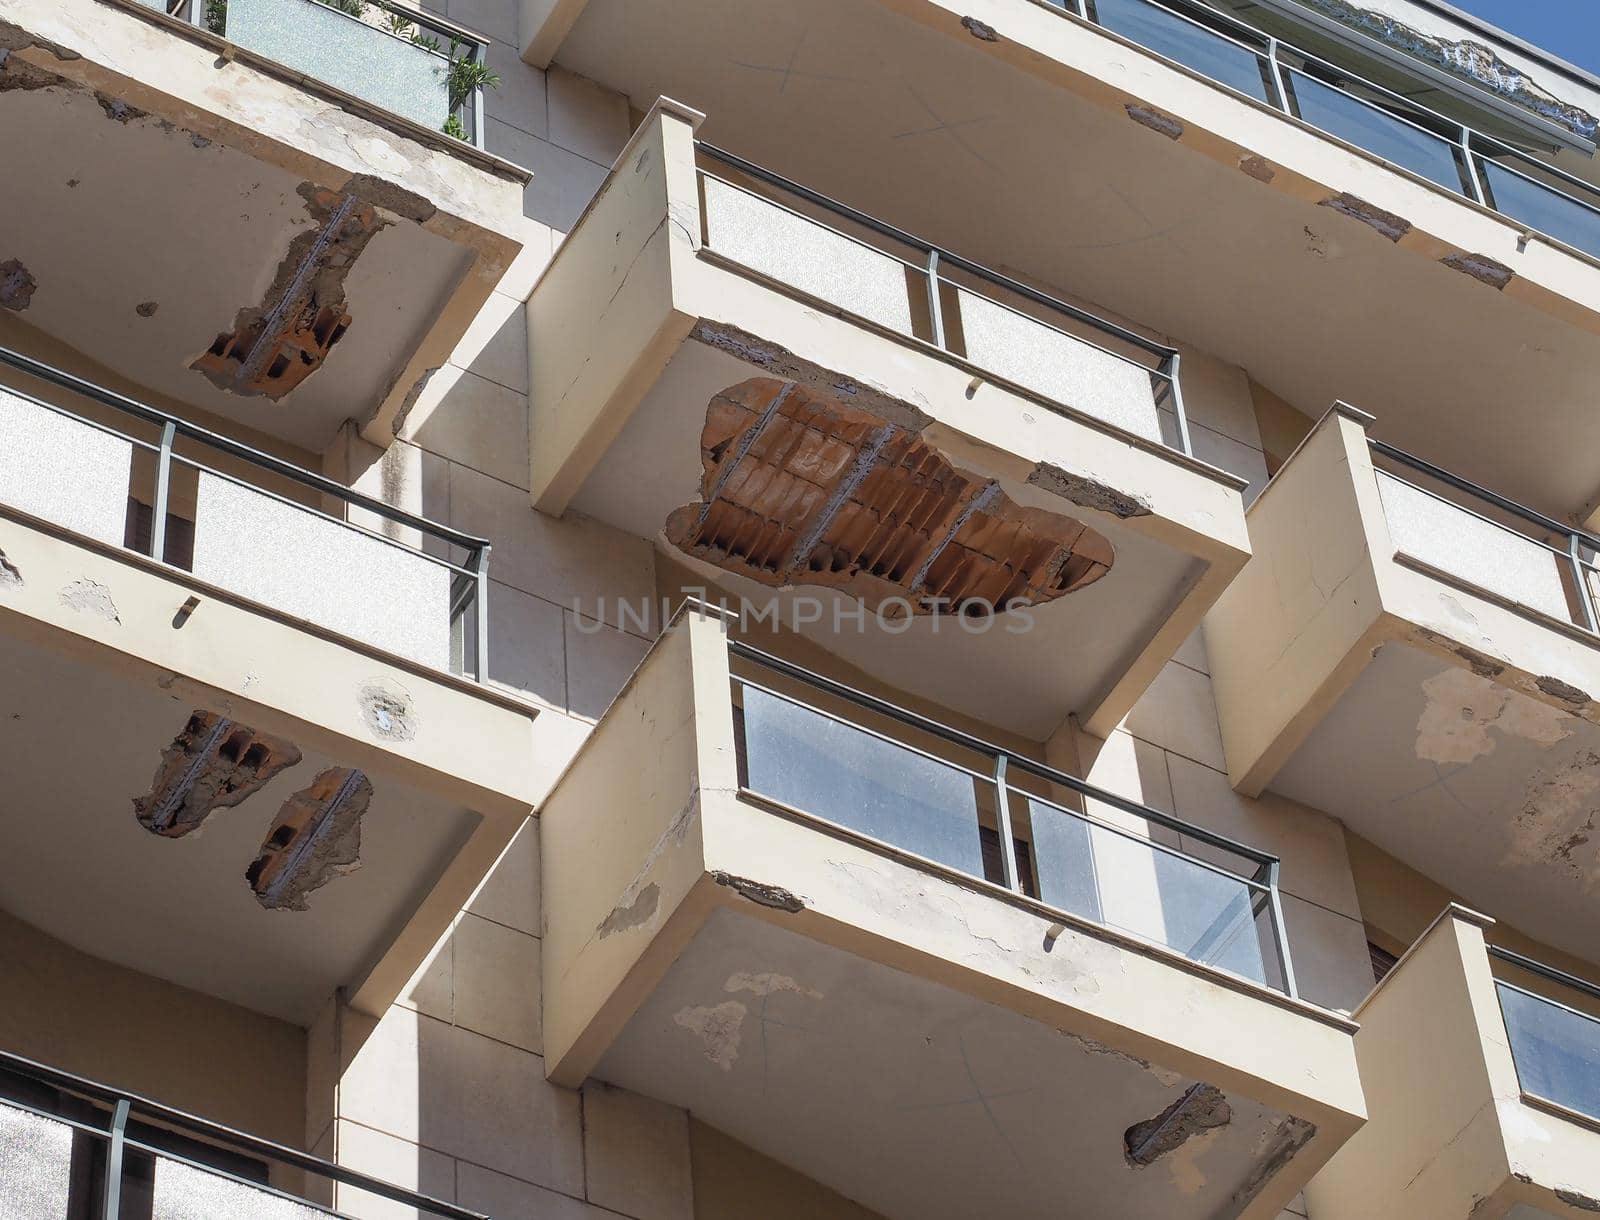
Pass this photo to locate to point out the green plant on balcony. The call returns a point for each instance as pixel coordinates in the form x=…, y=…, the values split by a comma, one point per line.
x=466, y=77
x=217, y=16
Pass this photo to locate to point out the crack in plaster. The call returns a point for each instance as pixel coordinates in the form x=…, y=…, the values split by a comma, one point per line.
x=1280, y=1146
x=638, y=903
x=1091, y=1047
x=1163, y=124
x=1390, y=225
x=1087, y=493
x=1482, y=268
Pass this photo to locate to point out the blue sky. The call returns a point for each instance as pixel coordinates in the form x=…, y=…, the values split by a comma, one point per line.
x=1569, y=28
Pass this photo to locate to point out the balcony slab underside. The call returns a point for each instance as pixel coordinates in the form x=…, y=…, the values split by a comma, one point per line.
x=109, y=661
x=1134, y=185
x=157, y=190
x=1470, y=719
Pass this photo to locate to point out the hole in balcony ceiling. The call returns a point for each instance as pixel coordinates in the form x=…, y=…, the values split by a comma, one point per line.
x=212, y=764
x=276, y=345
x=801, y=489
x=315, y=838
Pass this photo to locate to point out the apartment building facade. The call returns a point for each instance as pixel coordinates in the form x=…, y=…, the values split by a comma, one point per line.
x=681, y=610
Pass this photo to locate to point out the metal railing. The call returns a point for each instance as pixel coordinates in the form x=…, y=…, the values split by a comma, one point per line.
x=1570, y=586
x=1555, y=1045
x=922, y=788
x=392, y=54
x=111, y=1128
x=936, y=317
x=467, y=580
x=1451, y=154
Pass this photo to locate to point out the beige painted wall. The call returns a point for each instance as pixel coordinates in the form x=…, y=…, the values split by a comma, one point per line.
x=116, y=1026
x=732, y=1182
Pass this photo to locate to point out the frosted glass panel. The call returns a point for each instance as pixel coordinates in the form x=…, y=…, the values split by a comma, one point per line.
x=346, y=53
x=808, y=256
x=1490, y=556
x=850, y=777
x=1064, y=369
x=183, y=1192
x=35, y=1166
x=63, y=471
x=319, y=570
x=1557, y=1051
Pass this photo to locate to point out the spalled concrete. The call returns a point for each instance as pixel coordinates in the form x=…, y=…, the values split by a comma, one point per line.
x=214, y=763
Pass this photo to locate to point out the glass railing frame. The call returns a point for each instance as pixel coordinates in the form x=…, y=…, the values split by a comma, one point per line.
x=1165, y=374
x=475, y=46
x=1264, y=881
x=1578, y=541
x=1561, y=979
x=1472, y=146
x=469, y=581
x=125, y=1106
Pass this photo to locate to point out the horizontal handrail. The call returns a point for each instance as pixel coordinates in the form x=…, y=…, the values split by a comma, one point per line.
x=124, y=1104
x=470, y=579
x=1474, y=146
x=1549, y=974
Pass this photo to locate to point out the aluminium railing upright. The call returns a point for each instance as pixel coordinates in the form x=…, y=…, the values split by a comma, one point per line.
x=1555, y=1045
x=1019, y=334
x=1508, y=553
x=808, y=746
x=385, y=52
x=1353, y=108
x=76, y=1148
x=76, y=472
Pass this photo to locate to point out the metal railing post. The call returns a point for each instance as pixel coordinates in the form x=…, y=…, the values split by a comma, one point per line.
x=935, y=306
x=1580, y=583
x=158, y=511
x=479, y=126
x=1002, y=813
x=1280, y=86
x=1185, y=445
x=119, y=1131
x=1470, y=170
x=481, y=612
x=1280, y=932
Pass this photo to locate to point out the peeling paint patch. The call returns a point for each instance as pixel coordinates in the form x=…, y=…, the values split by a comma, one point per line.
x=979, y=30
x=1480, y=663
x=315, y=838
x=768, y=984
x=1257, y=167
x=1564, y=691
x=387, y=709
x=719, y=1030
x=1391, y=226
x=87, y=597
x=1582, y=1202
x=1092, y=1047
x=1087, y=493
x=640, y=911
x=1460, y=708
x=1482, y=268
x=213, y=763
x=759, y=892
x=117, y=110
x=1283, y=1144
x=1558, y=819
x=10, y=575
x=17, y=286
x=1155, y=120
x=1201, y=1108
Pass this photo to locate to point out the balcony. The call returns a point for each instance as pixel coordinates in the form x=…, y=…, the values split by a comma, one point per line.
x=73, y=1149
x=823, y=922
x=1172, y=184
x=1482, y=1071
x=394, y=56
x=870, y=420
x=242, y=224
x=192, y=640
x=1444, y=636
